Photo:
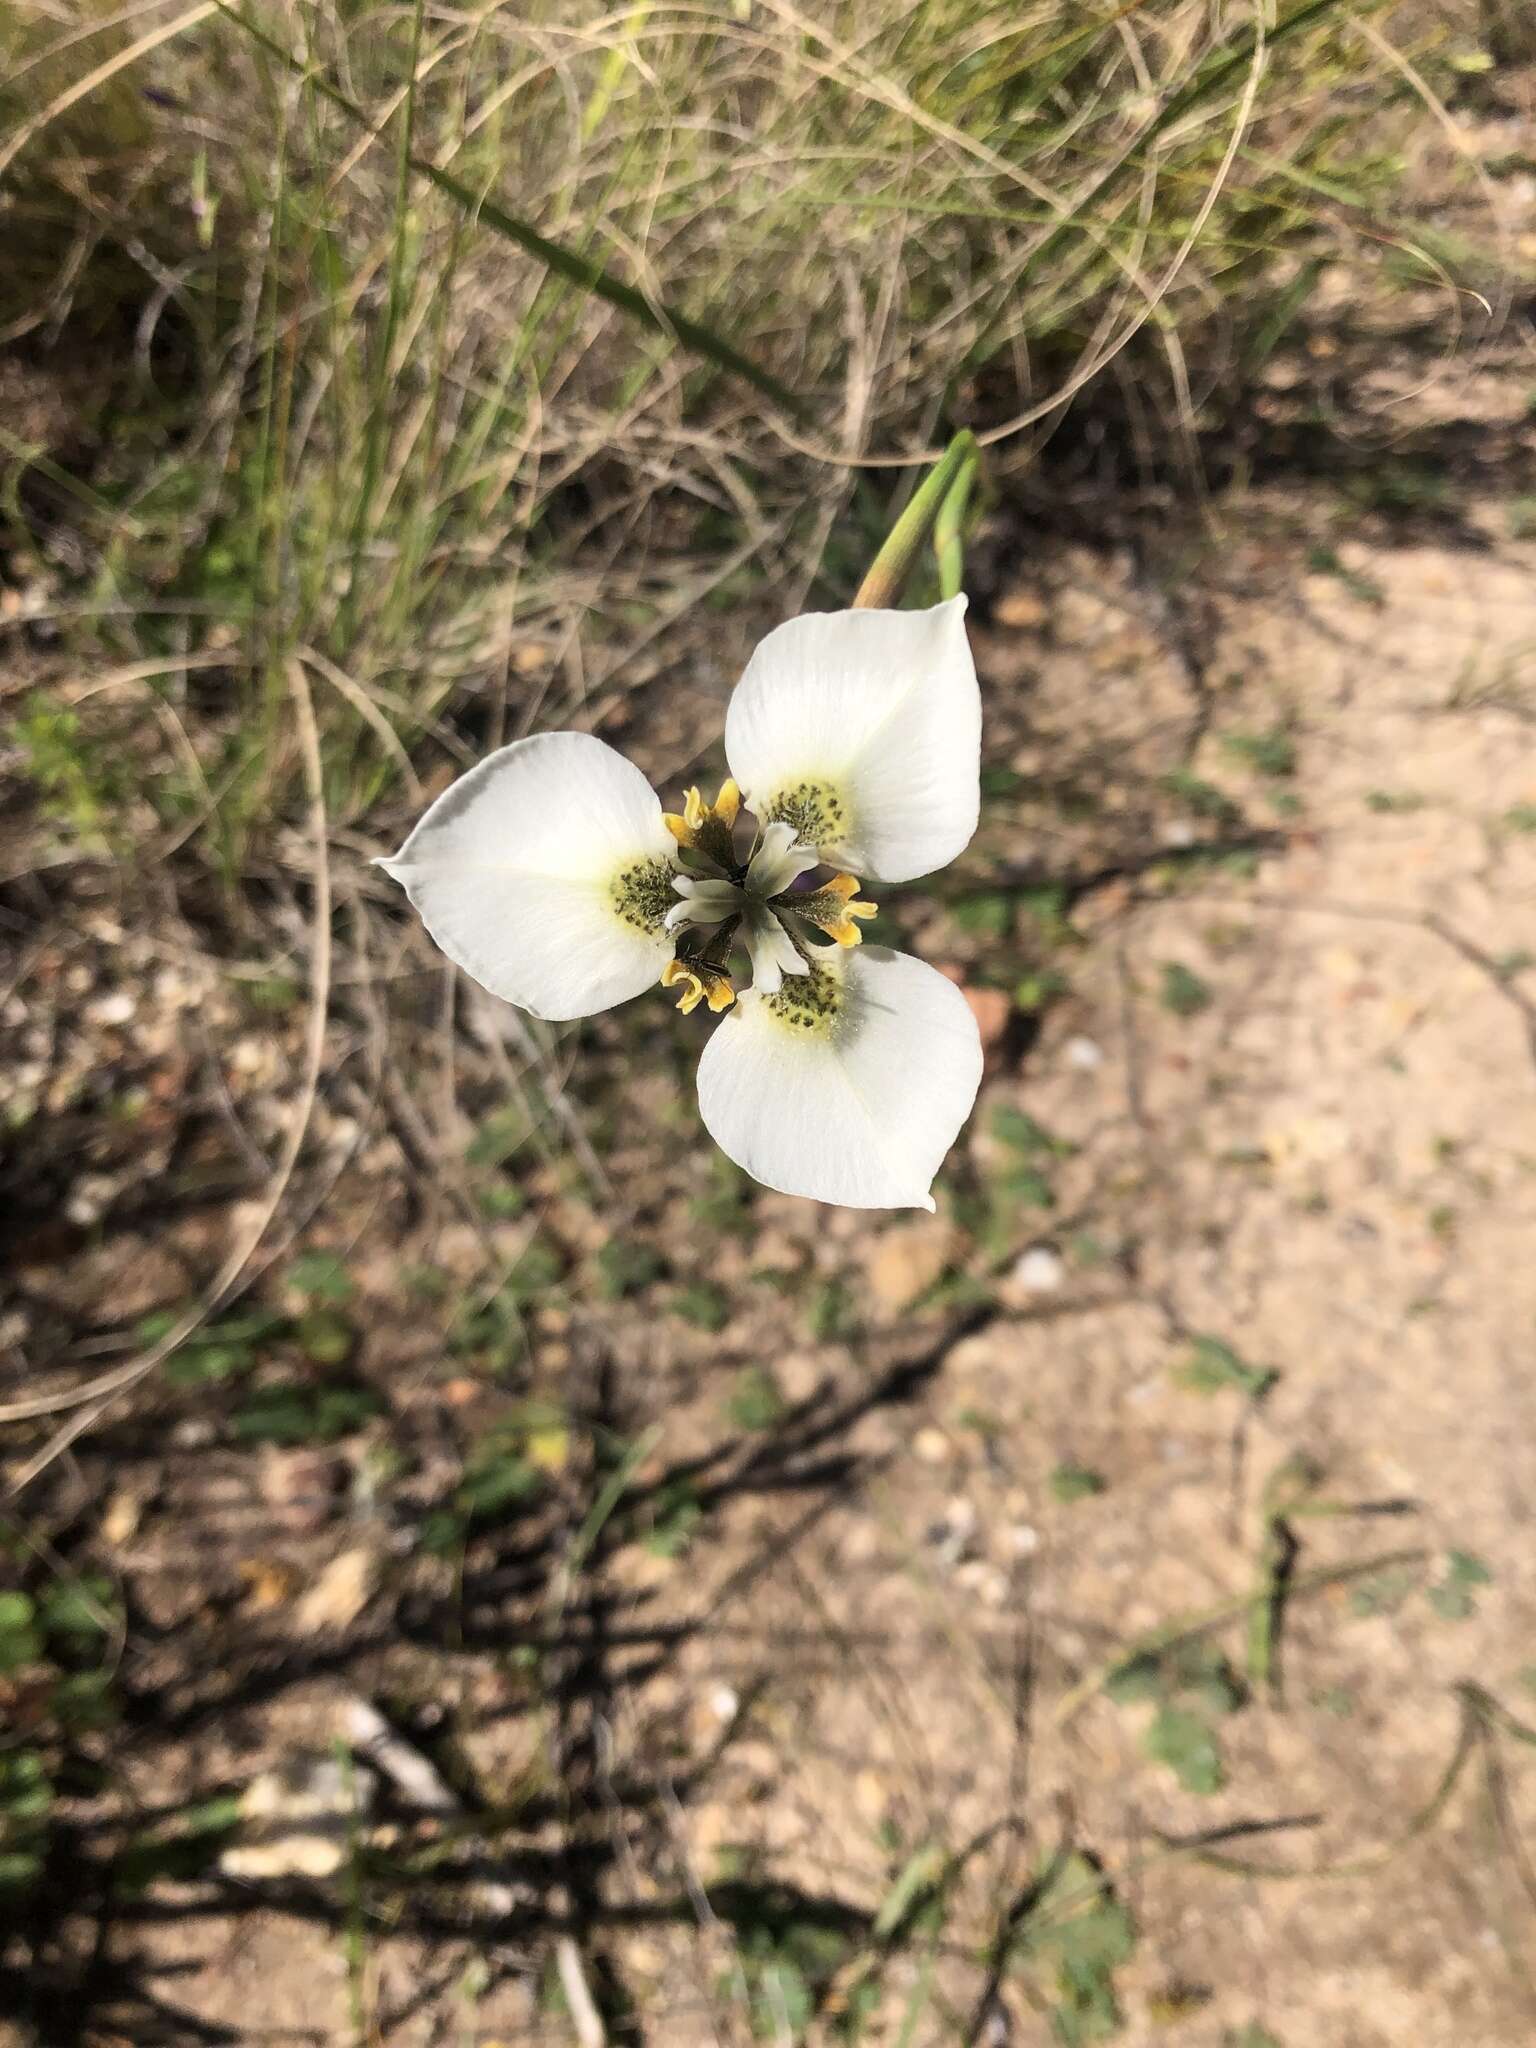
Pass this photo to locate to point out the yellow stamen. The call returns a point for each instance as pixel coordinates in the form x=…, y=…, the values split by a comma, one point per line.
x=834, y=909
x=699, y=983
x=707, y=826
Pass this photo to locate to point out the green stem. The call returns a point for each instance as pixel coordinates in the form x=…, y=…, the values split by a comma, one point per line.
x=949, y=528
x=953, y=472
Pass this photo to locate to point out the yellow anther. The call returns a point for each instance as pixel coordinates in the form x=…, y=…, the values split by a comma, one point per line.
x=706, y=826
x=837, y=909
x=700, y=983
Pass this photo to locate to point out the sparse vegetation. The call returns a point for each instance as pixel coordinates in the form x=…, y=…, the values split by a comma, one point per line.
x=730, y=1577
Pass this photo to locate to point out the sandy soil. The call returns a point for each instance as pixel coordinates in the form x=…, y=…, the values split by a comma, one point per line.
x=1284, y=1106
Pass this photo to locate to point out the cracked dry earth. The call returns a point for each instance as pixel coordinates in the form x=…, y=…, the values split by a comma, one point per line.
x=1291, y=1101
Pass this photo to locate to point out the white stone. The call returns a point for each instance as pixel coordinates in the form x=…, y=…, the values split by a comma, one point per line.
x=1039, y=1270
x=116, y=1008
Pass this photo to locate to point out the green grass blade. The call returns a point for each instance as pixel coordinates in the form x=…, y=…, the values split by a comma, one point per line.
x=660, y=317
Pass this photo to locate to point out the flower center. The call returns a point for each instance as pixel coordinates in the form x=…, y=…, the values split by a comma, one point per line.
x=642, y=894
x=767, y=901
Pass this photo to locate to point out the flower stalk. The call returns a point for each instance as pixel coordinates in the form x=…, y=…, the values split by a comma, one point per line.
x=937, y=508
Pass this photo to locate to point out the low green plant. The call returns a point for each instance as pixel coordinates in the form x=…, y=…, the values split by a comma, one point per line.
x=1213, y=1366
x=1076, y=1936
x=1182, y=992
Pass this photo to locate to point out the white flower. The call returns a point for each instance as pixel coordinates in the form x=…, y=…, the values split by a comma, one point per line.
x=551, y=874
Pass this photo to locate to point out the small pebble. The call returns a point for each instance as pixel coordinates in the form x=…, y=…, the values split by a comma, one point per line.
x=984, y=1580
x=116, y=1008
x=90, y=1198
x=1084, y=1054
x=1039, y=1270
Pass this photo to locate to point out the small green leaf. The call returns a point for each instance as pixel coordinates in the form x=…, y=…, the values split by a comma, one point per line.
x=987, y=915
x=675, y=1517
x=624, y=1268
x=17, y=1612
x=1383, y=1592
x=82, y=1608
x=704, y=1305
x=21, y=1641
x=326, y=1337
x=915, y=1880
x=443, y=1533
x=293, y=1412
x=26, y=1791
x=1138, y=1679
x=321, y=1277
x=1393, y=802
x=756, y=1402
x=1213, y=1366
x=1201, y=799
x=1182, y=991
x=498, y=1138
x=19, y=1868
x=1204, y=1673
x=83, y=1701
x=1184, y=1742
x=1074, y=1482
x=1018, y=1130
x=1468, y=1570
x=1454, y=1599
x=500, y=1480
x=831, y=1313
x=1082, y=1932
x=1271, y=753
x=1026, y=1186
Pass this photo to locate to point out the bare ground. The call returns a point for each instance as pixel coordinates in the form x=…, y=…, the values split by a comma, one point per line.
x=838, y=1634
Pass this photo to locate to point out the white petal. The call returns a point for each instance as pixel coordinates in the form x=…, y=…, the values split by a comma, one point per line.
x=878, y=708
x=514, y=868
x=774, y=953
x=778, y=862
x=860, y=1105
x=706, y=902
